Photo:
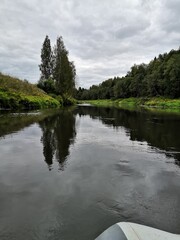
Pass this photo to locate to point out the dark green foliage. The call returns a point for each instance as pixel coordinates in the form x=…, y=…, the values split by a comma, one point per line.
x=57, y=72
x=46, y=60
x=161, y=77
x=68, y=101
x=46, y=81
x=47, y=85
x=104, y=91
x=64, y=72
x=65, y=100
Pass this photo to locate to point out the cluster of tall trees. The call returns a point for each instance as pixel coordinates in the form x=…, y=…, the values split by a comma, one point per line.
x=58, y=73
x=161, y=77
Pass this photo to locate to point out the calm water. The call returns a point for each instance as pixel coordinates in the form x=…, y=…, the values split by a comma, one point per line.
x=70, y=174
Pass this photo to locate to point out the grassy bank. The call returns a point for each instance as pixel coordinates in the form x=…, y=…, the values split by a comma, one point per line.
x=161, y=103
x=18, y=94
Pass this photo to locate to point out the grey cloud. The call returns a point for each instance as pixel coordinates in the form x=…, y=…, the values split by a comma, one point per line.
x=170, y=21
x=104, y=38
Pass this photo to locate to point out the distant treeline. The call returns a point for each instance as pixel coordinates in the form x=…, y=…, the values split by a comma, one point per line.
x=161, y=77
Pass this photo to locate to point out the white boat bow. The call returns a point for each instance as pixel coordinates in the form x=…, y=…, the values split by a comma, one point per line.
x=133, y=231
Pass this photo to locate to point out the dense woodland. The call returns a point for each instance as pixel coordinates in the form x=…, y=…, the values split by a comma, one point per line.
x=161, y=77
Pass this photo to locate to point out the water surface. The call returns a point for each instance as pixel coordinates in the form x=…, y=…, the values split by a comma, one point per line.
x=70, y=174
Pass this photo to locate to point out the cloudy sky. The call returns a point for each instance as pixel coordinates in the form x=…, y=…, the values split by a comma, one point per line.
x=104, y=37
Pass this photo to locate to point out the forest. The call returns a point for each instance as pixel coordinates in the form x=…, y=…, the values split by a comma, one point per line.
x=161, y=77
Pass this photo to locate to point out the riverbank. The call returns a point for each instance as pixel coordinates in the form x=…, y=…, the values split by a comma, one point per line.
x=18, y=94
x=160, y=103
x=12, y=100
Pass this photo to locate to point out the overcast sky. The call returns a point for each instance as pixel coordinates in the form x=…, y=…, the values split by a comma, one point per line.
x=104, y=37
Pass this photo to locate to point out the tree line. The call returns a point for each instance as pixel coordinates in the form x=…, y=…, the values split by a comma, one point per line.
x=161, y=77
x=58, y=73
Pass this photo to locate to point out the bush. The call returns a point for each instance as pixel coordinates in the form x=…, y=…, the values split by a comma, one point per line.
x=68, y=101
x=60, y=100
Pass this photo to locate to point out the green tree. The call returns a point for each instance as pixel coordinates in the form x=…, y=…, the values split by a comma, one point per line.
x=46, y=60
x=64, y=72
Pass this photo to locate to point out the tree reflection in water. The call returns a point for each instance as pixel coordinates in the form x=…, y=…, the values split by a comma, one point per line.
x=159, y=130
x=58, y=133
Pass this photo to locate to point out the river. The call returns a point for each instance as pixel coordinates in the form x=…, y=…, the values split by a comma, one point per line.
x=70, y=174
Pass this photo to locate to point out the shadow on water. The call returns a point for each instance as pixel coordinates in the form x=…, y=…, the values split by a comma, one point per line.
x=159, y=130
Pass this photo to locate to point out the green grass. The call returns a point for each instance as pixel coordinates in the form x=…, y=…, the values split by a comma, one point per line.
x=158, y=103
x=12, y=84
x=18, y=94
x=163, y=103
x=99, y=102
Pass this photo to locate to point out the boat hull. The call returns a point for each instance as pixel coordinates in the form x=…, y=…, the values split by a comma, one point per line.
x=133, y=231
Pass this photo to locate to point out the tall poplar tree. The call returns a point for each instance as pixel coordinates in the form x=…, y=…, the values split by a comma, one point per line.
x=46, y=60
x=63, y=70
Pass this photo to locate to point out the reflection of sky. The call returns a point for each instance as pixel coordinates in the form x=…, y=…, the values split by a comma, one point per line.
x=22, y=139
x=21, y=150
x=114, y=137
x=108, y=178
x=115, y=142
x=118, y=170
